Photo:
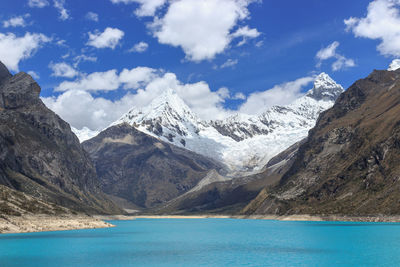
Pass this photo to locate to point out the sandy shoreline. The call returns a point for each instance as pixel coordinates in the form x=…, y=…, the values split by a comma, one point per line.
x=299, y=217
x=44, y=223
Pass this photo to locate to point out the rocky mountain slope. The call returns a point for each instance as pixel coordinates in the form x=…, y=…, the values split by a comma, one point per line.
x=349, y=163
x=140, y=171
x=221, y=195
x=39, y=155
x=240, y=141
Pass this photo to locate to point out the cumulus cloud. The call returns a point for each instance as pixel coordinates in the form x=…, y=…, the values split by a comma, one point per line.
x=96, y=81
x=198, y=96
x=139, y=47
x=92, y=16
x=63, y=12
x=38, y=3
x=137, y=77
x=282, y=94
x=80, y=109
x=328, y=52
x=77, y=106
x=63, y=69
x=18, y=21
x=110, y=80
x=107, y=39
x=13, y=49
x=203, y=28
x=382, y=22
x=246, y=33
x=146, y=8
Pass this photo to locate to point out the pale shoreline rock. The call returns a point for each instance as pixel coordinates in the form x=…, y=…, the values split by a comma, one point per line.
x=44, y=223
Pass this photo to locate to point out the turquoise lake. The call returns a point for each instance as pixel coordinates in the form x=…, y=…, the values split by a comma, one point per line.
x=208, y=242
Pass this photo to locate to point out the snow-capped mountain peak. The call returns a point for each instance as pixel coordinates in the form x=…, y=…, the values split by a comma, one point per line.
x=394, y=65
x=325, y=88
x=244, y=143
x=167, y=116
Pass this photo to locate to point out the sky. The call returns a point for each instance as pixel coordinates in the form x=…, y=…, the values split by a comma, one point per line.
x=94, y=60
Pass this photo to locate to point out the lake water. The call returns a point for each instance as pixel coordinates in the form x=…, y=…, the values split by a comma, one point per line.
x=208, y=242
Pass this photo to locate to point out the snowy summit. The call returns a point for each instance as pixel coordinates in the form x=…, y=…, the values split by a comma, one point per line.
x=244, y=143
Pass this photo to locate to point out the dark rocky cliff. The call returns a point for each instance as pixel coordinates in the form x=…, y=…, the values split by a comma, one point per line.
x=39, y=155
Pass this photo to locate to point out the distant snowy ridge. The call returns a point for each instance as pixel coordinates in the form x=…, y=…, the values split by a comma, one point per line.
x=244, y=143
x=394, y=65
x=84, y=134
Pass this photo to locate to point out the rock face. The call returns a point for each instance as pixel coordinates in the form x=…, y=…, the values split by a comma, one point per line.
x=39, y=155
x=349, y=163
x=221, y=195
x=143, y=170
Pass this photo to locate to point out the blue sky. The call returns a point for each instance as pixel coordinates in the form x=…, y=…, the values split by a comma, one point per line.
x=218, y=56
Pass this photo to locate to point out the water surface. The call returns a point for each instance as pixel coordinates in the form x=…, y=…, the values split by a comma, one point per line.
x=208, y=242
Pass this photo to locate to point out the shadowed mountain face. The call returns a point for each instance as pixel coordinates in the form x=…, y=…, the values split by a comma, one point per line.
x=39, y=155
x=350, y=162
x=227, y=195
x=143, y=170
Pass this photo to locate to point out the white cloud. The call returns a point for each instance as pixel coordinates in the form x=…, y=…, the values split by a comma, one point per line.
x=246, y=33
x=77, y=106
x=198, y=96
x=330, y=52
x=139, y=47
x=13, y=49
x=63, y=12
x=282, y=94
x=34, y=74
x=63, y=69
x=96, y=81
x=229, y=63
x=382, y=22
x=18, y=21
x=82, y=58
x=342, y=62
x=38, y=3
x=107, y=39
x=203, y=28
x=146, y=8
x=137, y=77
x=259, y=44
x=81, y=109
x=239, y=96
x=92, y=16
x=111, y=80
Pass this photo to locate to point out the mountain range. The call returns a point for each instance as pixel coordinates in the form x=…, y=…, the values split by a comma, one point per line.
x=240, y=141
x=163, y=154
x=330, y=152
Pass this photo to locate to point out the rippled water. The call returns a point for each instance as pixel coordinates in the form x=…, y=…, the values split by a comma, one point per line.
x=208, y=242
